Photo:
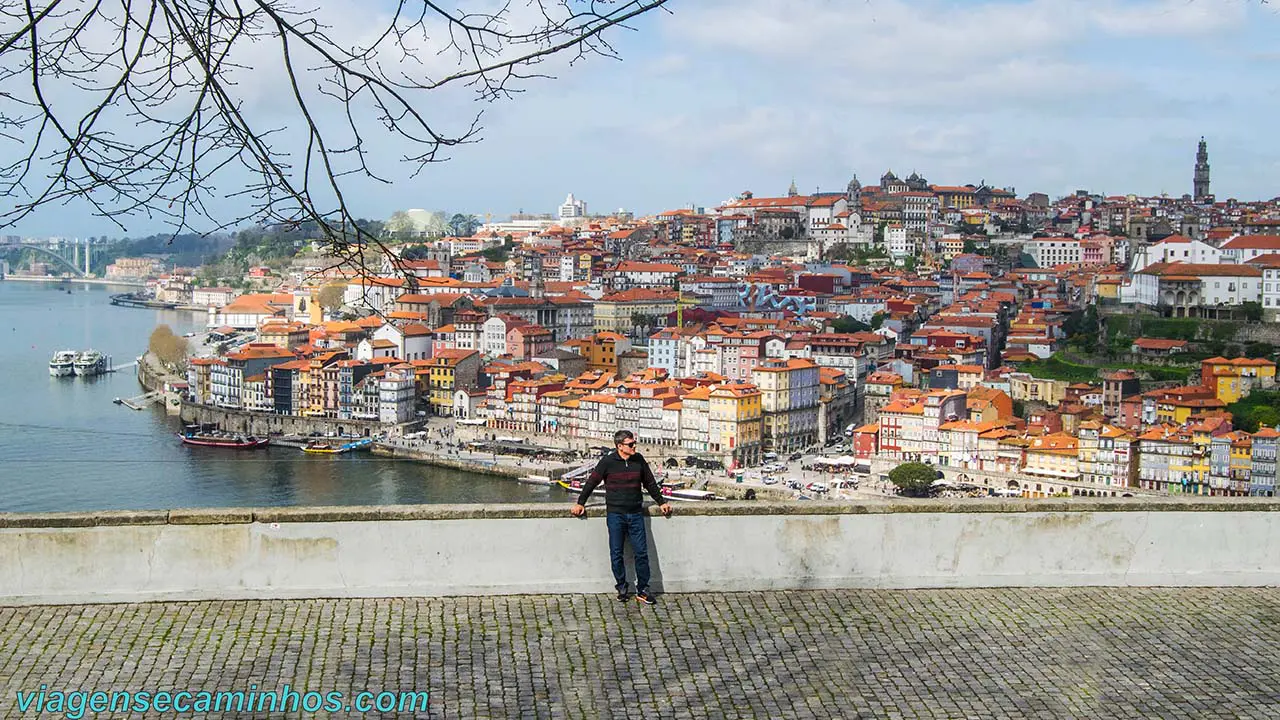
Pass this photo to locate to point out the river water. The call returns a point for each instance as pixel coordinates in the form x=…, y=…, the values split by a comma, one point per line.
x=65, y=446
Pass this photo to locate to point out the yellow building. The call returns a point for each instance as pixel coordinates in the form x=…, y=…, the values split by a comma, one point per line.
x=1026, y=388
x=735, y=423
x=318, y=384
x=1233, y=379
x=602, y=350
x=1054, y=457
x=951, y=247
x=789, y=391
x=1107, y=288
x=615, y=311
x=451, y=370
x=955, y=196
x=1176, y=406
x=286, y=335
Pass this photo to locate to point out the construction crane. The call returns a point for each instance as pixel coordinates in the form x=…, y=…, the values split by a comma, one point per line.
x=681, y=304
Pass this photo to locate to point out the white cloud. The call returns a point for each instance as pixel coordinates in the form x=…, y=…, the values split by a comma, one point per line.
x=1172, y=17
x=900, y=50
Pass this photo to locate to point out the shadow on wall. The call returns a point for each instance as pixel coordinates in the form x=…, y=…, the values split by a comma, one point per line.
x=629, y=558
x=655, y=560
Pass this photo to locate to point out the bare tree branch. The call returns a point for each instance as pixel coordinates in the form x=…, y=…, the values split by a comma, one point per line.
x=141, y=107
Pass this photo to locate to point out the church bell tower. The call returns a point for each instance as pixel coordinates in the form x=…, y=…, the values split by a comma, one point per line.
x=1202, y=173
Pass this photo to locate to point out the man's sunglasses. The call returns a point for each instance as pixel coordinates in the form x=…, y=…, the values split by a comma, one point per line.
x=628, y=444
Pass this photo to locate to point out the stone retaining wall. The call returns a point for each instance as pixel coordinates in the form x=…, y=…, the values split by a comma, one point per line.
x=260, y=423
x=434, y=550
x=484, y=468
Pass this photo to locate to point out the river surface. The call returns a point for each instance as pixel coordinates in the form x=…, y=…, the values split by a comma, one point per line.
x=65, y=446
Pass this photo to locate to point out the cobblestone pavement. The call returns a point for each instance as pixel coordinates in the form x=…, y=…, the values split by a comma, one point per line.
x=1083, y=653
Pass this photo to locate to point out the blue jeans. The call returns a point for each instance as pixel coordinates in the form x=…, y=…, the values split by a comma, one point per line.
x=628, y=525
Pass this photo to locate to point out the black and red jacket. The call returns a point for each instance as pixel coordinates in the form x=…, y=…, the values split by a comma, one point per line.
x=623, y=480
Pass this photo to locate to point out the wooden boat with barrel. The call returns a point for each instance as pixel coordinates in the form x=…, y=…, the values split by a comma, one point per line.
x=205, y=437
x=328, y=448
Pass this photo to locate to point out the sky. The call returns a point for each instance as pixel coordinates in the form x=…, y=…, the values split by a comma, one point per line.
x=715, y=97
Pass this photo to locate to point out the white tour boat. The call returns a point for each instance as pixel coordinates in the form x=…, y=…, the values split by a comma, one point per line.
x=63, y=363
x=90, y=362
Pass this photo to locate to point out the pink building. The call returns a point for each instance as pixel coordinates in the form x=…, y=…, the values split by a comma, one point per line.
x=528, y=341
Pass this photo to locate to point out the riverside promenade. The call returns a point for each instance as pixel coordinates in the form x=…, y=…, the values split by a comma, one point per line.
x=1004, y=653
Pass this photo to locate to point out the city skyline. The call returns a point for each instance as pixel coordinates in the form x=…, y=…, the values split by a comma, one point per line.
x=709, y=101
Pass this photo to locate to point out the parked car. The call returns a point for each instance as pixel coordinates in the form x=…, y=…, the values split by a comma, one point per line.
x=794, y=457
x=770, y=480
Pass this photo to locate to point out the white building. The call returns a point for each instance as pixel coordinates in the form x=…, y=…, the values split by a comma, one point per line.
x=861, y=309
x=1247, y=247
x=375, y=293
x=1049, y=252
x=396, y=394
x=212, y=296
x=1140, y=288
x=493, y=334
x=919, y=210
x=1176, y=248
x=412, y=341
x=899, y=243
x=1230, y=285
x=631, y=274
x=713, y=291
x=1270, y=266
x=572, y=208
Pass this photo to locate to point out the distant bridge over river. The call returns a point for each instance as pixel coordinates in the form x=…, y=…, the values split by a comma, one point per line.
x=73, y=256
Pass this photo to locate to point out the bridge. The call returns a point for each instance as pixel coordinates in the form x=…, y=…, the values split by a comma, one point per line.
x=65, y=254
x=1045, y=609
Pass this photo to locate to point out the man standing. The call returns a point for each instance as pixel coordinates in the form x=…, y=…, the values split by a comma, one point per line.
x=624, y=472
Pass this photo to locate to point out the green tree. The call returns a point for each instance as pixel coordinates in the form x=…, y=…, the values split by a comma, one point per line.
x=970, y=247
x=644, y=321
x=415, y=252
x=1252, y=311
x=496, y=254
x=462, y=225
x=846, y=324
x=913, y=479
x=909, y=264
x=877, y=320
x=1257, y=409
x=1258, y=350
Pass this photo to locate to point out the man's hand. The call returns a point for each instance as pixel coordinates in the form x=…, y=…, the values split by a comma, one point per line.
x=577, y=510
x=666, y=509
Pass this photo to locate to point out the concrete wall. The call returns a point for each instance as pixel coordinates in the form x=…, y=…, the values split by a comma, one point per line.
x=513, y=549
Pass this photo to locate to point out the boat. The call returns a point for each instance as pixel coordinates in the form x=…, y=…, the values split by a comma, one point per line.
x=223, y=440
x=90, y=362
x=327, y=448
x=63, y=363
x=575, y=486
x=689, y=495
